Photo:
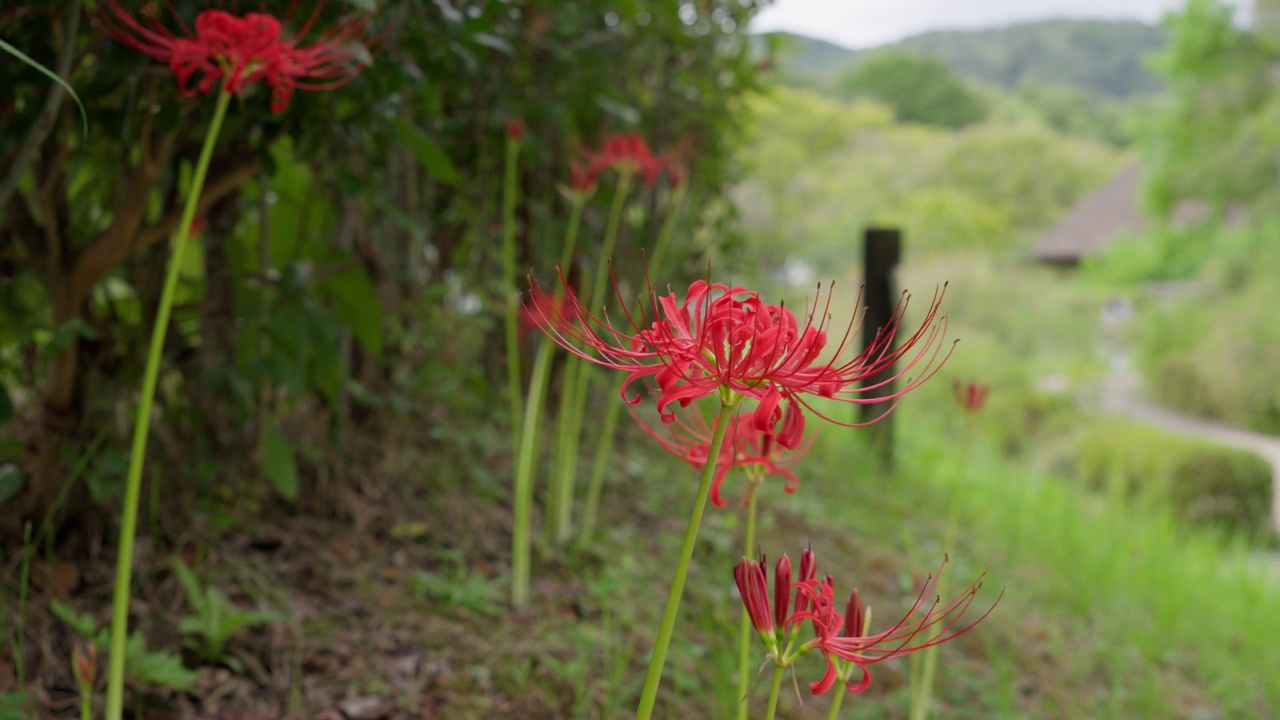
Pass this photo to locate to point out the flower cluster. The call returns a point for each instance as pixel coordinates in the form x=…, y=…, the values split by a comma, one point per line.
x=234, y=52
x=628, y=154
x=844, y=639
x=728, y=341
x=745, y=446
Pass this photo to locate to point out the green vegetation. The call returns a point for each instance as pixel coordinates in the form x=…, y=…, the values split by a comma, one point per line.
x=1104, y=59
x=1207, y=143
x=920, y=90
x=1199, y=482
x=328, y=509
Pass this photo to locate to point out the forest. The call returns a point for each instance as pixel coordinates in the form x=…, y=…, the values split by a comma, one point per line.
x=494, y=358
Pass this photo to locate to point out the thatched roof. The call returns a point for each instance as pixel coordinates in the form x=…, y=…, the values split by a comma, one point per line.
x=1114, y=210
x=1096, y=221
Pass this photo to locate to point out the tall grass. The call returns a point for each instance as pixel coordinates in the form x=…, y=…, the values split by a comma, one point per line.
x=1110, y=610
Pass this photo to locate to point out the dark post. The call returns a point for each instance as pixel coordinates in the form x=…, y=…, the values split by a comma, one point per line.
x=883, y=250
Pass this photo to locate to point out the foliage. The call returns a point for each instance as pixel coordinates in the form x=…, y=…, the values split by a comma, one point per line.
x=1198, y=481
x=156, y=667
x=1101, y=58
x=324, y=248
x=823, y=170
x=214, y=619
x=919, y=89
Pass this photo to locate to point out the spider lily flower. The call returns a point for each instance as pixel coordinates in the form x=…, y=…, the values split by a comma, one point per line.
x=728, y=341
x=628, y=154
x=753, y=585
x=744, y=446
x=846, y=643
x=232, y=52
x=970, y=396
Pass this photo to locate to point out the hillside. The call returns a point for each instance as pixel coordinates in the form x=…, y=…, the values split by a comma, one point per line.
x=1103, y=58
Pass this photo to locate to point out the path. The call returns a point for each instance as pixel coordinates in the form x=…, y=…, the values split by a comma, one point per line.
x=1120, y=397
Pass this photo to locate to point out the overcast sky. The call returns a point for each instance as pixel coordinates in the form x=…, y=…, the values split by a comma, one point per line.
x=864, y=23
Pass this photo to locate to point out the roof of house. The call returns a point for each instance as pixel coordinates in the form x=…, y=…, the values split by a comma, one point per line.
x=1097, y=220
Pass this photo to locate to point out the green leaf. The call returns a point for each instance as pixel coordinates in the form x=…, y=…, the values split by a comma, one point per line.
x=84, y=625
x=354, y=301
x=84, y=116
x=433, y=159
x=278, y=463
x=157, y=668
x=10, y=481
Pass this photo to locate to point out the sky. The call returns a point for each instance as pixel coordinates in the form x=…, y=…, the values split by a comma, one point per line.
x=866, y=23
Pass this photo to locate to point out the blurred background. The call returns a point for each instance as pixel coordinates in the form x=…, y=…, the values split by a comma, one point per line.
x=326, y=513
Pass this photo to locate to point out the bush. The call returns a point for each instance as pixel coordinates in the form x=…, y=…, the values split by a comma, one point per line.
x=1201, y=483
x=1226, y=488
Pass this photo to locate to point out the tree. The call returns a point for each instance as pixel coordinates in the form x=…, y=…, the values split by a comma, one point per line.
x=919, y=89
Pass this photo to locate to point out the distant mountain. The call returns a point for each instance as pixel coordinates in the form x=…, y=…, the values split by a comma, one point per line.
x=1104, y=58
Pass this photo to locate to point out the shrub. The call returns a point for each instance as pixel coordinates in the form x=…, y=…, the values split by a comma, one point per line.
x=1198, y=482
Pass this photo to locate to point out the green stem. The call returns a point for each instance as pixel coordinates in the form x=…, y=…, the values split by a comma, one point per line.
x=744, y=632
x=604, y=445
x=775, y=686
x=649, y=696
x=523, y=489
x=578, y=376
x=510, y=193
x=664, y=235
x=836, y=702
x=142, y=422
x=86, y=703
x=922, y=691
x=600, y=464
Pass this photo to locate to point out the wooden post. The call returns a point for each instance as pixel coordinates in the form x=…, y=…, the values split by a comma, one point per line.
x=882, y=252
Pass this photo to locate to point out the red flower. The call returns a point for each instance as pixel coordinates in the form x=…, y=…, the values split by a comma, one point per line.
x=530, y=319
x=845, y=638
x=238, y=51
x=745, y=446
x=971, y=396
x=583, y=177
x=515, y=129
x=753, y=586
x=628, y=154
x=727, y=341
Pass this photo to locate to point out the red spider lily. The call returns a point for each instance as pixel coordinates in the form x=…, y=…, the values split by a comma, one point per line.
x=744, y=445
x=628, y=154
x=971, y=396
x=529, y=319
x=843, y=637
x=728, y=341
x=753, y=585
x=238, y=51
x=583, y=177
x=515, y=129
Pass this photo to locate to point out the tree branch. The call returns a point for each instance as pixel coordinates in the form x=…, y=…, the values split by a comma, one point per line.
x=126, y=236
x=39, y=130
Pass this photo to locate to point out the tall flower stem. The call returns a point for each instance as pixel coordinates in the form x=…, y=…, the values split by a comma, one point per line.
x=744, y=633
x=142, y=421
x=835, y=704
x=649, y=696
x=775, y=688
x=510, y=195
x=604, y=444
x=927, y=667
x=522, y=490
x=577, y=376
